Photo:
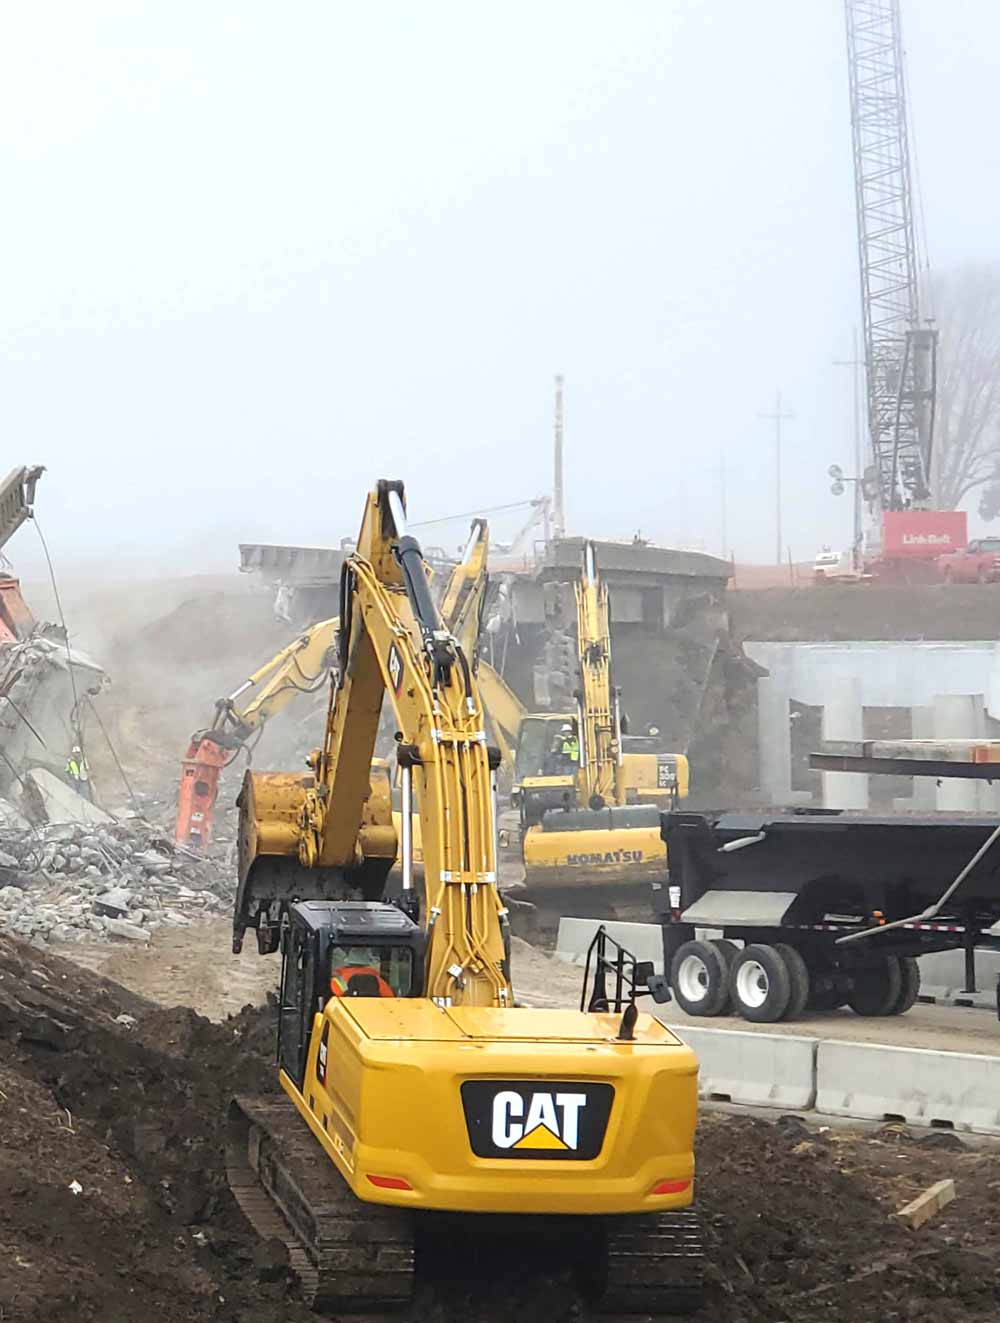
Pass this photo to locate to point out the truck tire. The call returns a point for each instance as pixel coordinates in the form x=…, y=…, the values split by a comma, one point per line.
x=827, y=992
x=760, y=984
x=699, y=978
x=798, y=973
x=729, y=951
x=910, y=985
x=876, y=989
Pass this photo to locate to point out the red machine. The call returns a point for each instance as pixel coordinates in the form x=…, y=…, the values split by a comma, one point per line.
x=979, y=562
x=199, y=787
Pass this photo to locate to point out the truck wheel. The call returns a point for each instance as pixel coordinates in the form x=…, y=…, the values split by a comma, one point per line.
x=876, y=989
x=699, y=978
x=798, y=973
x=729, y=951
x=910, y=985
x=760, y=984
x=827, y=991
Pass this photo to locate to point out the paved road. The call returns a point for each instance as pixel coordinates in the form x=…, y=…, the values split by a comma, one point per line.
x=939, y=1028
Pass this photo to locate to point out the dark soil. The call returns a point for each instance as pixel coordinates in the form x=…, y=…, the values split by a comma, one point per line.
x=131, y=1110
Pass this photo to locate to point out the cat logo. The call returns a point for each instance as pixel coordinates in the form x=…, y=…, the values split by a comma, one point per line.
x=394, y=666
x=550, y=1120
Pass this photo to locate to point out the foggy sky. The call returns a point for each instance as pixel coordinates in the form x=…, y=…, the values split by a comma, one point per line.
x=256, y=256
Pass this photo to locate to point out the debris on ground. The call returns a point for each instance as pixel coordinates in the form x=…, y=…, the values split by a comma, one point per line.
x=73, y=882
x=931, y=1201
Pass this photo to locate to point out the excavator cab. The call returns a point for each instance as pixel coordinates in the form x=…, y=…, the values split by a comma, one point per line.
x=341, y=949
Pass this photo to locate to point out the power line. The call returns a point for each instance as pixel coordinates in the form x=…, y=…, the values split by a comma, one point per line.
x=472, y=514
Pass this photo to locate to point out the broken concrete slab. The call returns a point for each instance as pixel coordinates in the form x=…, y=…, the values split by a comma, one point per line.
x=131, y=931
x=113, y=904
x=59, y=803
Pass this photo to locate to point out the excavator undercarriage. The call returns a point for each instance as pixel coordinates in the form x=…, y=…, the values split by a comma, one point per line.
x=354, y=1258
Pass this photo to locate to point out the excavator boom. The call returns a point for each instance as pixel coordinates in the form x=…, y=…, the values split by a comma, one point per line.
x=299, y=668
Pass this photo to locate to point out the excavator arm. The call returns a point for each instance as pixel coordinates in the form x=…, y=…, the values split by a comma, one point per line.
x=392, y=640
x=600, y=732
x=299, y=668
x=464, y=597
x=302, y=668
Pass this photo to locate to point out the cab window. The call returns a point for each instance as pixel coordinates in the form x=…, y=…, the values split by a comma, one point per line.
x=362, y=970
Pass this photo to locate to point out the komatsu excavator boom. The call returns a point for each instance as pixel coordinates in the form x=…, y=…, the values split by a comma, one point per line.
x=401, y=1048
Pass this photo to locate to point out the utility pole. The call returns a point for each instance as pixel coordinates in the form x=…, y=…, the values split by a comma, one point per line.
x=558, y=509
x=777, y=416
x=858, y=364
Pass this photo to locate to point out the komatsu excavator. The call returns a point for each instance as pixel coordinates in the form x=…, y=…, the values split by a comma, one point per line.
x=413, y=1085
x=589, y=823
x=589, y=805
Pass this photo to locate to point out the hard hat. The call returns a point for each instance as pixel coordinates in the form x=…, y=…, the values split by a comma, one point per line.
x=77, y=749
x=566, y=728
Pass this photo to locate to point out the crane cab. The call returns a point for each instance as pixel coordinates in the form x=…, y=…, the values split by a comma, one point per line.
x=341, y=948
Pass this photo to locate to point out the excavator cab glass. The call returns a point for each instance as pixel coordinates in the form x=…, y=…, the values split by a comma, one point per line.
x=341, y=949
x=371, y=971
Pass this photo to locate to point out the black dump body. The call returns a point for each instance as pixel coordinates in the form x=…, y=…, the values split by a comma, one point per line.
x=809, y=867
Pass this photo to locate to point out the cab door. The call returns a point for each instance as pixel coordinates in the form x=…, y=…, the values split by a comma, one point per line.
x=295, y=1016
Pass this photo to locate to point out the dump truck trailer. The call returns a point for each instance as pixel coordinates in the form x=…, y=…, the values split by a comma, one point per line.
x=831, y=908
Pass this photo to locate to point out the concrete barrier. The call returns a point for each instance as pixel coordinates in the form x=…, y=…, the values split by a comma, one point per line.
x=644, y=940
x=923, y=1087
x=760, y=1070
x=942, y=978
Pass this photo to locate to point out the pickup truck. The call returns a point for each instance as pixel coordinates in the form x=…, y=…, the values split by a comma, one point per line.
x=979, y=562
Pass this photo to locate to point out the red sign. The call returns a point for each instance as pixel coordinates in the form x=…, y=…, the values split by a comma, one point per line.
x=922, y=534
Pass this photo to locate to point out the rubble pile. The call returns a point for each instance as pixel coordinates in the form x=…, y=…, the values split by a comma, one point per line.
x=74, y=881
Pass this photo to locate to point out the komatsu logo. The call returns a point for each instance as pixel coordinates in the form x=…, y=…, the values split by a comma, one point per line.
x=607, y=857
x=550, y=1120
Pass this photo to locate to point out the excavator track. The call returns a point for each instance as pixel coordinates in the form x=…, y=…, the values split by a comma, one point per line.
x=655, y=1265
x=350, y=1256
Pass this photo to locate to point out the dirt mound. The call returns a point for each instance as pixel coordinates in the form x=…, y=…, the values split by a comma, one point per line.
x=799, y=1225
x=114, y=1206
x=113, y=1203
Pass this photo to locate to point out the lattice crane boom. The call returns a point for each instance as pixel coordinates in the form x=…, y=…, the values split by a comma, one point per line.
x=900, y=350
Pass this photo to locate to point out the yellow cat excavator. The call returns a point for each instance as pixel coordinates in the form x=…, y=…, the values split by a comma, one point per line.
x=413, y=1085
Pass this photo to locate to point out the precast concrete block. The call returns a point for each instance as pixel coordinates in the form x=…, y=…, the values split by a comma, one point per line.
x=921, y=1087
x=643, y=940
x=942, y=979
x=759, y=1070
